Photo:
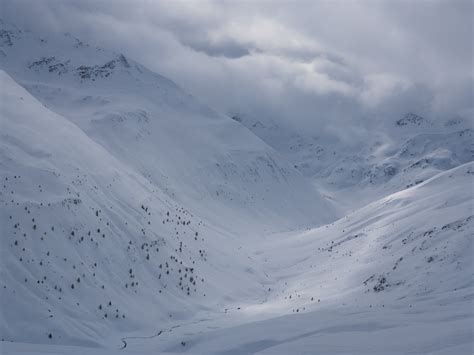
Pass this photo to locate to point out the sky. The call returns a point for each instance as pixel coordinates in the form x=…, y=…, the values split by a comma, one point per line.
x=298, y=63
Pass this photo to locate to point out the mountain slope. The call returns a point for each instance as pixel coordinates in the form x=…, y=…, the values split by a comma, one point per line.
x=88, y=244
x=199, y=157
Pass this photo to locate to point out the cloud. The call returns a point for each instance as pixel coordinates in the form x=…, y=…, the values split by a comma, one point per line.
x=307, y=64
x=378, y=87
x=220, y=48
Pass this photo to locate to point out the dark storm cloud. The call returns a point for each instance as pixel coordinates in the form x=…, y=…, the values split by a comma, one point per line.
x=315, y=62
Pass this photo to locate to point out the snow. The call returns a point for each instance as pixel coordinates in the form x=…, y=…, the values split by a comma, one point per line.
x=136, y=220
x=201, y=158
x=64, y=220
x=353, y=171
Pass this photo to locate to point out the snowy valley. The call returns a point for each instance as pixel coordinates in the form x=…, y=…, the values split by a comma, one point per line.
x=136, y=219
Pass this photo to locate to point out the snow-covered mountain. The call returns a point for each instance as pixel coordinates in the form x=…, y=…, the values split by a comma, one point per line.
x=198, y=157
x=88, y=244
x=134, y=217
x=393, y=157
x=123, y=193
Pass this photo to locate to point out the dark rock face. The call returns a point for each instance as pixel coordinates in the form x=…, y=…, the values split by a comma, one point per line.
x=411, y=119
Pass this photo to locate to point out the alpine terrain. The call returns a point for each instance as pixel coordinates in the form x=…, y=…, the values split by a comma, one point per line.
x=136, y=219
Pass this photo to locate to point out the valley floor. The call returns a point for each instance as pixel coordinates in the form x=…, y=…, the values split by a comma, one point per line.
x=345, y=330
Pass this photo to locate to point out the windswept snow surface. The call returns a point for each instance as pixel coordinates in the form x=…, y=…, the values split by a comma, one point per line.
x=136, y=220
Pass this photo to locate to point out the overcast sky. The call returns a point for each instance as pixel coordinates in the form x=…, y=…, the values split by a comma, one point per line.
x=297, y=62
